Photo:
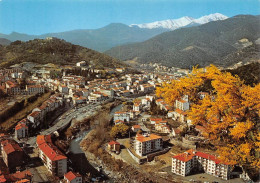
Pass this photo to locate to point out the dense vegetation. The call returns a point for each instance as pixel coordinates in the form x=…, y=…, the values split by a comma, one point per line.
x=52, y=51
x=230, y=114
x=200, y=45
x=248, y=73
x=98, y=39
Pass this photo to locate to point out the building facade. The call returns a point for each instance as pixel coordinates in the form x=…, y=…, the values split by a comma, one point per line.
x=12, y=154
x=147, y=144
x=54, y=160
x=191, y=160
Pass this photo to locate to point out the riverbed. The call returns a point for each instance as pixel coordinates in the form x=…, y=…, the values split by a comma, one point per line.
x=78, y=160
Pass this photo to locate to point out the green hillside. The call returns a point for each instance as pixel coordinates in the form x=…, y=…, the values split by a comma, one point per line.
x=52, y=51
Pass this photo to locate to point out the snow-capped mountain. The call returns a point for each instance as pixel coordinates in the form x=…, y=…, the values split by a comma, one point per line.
x=173, y=24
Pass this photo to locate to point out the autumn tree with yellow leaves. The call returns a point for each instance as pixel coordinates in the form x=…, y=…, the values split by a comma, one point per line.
x=230, y=114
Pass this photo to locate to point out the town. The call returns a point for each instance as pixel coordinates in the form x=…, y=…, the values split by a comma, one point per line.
x=41, y=103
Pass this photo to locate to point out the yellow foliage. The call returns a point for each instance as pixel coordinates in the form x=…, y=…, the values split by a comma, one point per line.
x=229, y=114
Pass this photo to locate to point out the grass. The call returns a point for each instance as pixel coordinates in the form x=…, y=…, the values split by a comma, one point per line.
x=6, y=125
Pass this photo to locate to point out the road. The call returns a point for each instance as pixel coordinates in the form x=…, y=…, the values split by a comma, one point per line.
x=65, y=119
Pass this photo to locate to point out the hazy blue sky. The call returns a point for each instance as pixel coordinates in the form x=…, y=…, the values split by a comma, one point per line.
x=44, y=16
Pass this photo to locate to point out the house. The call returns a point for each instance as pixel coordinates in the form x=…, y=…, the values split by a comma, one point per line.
x=182, y=105
x=80, y=64
x=147, y=144
x=180, y=115
x=21, y=129
x=136, y=128
x=154, y=120
x=35, y=118
x=12, y=153
x=114, y=146
x=170, y=114
x=202, y=95
x=117, y=122
x=72, y=177
x=54, y=160
x=12, y=87
x=123, y=116
x=162, y=128
x=184, y=163
x=136, y=106
x=176, y=132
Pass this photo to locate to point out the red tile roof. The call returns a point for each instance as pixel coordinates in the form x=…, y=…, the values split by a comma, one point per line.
x=71, y=175
x=180, y=112
x=10, y=146
x=156, y=119
x=142, y=138
x=45, y=145
x=34, y=114
x=20, y=126
x=137, y=126
x=186, y=156
x=113, y=142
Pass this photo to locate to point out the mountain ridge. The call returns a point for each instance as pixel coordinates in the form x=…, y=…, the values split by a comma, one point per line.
x=101, y=39
x=207, y=43
x=173, y=24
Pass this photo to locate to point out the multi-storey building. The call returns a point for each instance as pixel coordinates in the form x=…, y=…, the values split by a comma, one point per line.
x=32, y=89
x=122, y=116
x=21, y=129
x=182, y=105
x=147, y=144
x=54, y=160
x=12, y=153
x=184, y=163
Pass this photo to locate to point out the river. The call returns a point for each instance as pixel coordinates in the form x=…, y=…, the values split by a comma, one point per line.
x=79, y=162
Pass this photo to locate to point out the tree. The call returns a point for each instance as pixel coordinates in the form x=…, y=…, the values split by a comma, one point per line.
x=119, y=130
x=230, y=114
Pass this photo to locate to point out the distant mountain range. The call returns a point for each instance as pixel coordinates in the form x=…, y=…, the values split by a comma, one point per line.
x=219, y=42
x=173, y=24
x=4, y=41
x=116, y=34
x=54, y=51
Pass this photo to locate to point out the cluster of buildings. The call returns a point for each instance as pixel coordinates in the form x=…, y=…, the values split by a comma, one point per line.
x=14, y=158
x=158, y=67
x=38, y=115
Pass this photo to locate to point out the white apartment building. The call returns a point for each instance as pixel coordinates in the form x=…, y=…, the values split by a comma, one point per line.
x=147, y=144
x=182, y=105
x=21, y=129
x=54, y=160
x=184, y=163
x=122, y=116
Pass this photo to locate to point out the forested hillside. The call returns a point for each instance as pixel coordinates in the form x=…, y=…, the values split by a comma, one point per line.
x=52, y=51
x=201, y=45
